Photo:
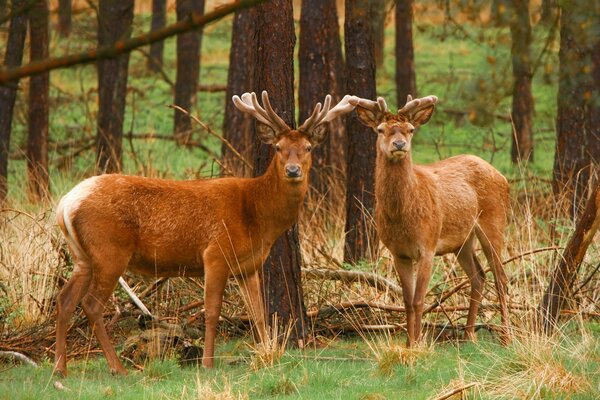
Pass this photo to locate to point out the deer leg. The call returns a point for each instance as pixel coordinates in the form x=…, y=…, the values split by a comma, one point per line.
x=424, y=268
x=68, y=299
x=215, y=279
x=469, y=263
x=492, y=243
x=252, y=294
x=405, y=269
x=102, y=286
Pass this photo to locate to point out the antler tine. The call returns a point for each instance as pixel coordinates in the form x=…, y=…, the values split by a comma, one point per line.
x=245, y=104
x=272, y=114
x=327, y=114
x=382, y=104
x=415, y=105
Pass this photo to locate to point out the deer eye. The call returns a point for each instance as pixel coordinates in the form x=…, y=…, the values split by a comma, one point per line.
x=308, y=148
x=412, y=130
x=277, y=148
x=381, y=131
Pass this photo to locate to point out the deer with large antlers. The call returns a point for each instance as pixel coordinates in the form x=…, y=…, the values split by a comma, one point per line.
x=214, y=228
x=428, y=210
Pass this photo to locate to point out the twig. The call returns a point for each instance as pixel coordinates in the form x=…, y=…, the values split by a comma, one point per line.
x=19, y=357
x=134, y=297
x=530, y=252
x=369, y=278
x=454, y=391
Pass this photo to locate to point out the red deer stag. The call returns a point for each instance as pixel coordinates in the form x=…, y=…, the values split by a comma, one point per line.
x=428, y=210
x=213, y=227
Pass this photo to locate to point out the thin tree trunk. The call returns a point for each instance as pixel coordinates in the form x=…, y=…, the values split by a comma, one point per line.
x=8, y=93
x=406, y=81
x=361, y=239
x=321, y=73
x=593, y=129
x=159, y=20
x=549, y=11
x=522, y=105
x=188, y=68
x=274, y=73
x=64, y=17
x=560, y=286
x=575, y=140
x=115, y=19
x=39, y=86
x=238, y=126
x=378, y=29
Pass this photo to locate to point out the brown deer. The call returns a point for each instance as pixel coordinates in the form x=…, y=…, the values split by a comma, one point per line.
x=428, y=210
x=214, y=228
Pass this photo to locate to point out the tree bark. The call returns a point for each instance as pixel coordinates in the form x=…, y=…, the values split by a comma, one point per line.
x=361, y=239
x=37, y=138
x=321, y=73
x=522, y=102
x=378, y=30
x=114, y=23
x=549, y=11
x=560, y=286
x=238, y=126
x=577, y=141
x=8, y=92
x=188, y=68
x=64, y=17
x=500, y=12
x=406, y=80
x=282, y=288
x=159, y=20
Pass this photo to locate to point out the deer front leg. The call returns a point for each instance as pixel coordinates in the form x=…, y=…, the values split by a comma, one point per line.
x=424, y=267
x=215, y=279
x=252, y=294
x=405, y=269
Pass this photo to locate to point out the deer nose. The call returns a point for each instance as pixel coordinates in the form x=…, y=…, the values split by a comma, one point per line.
x=293, y=171
x=399, y=144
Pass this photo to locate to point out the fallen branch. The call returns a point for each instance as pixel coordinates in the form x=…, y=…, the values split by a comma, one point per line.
x=136, y=300
x=19, y=357
x=454, y=391
x=368, y=278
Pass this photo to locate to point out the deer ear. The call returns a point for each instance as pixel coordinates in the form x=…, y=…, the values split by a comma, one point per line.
x=265, y=133
x=422, y=116
x=319, y=134
x=367, y=117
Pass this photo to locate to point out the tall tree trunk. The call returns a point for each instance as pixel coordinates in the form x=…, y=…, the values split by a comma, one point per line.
x=188, y=68
x=593, y=129
x=378, y=29
x=282, y=288
x=8, y=93
x=238, y=126
x=115, y=19
x=549, y=11
x=321, y=73
x=361, y=240
x=39, y=86
x=4, y=10
x=159, y=19
x=406, y=80
x=64, y=17
x=522, y=102
x=500, y=12
x=575, y=140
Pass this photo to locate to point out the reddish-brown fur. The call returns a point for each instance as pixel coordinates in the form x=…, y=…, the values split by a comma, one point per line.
x=213, y=228
x=428, y=210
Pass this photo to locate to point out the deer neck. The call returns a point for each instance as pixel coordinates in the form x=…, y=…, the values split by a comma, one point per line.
x=395, y=184
x=278, y=201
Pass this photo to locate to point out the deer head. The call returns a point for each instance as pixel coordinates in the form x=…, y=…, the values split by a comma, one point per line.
x=293, y=146
x=395, y=130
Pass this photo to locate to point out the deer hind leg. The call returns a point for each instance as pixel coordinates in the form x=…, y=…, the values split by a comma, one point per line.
x=491, y=237
x=68, y=299
x=251, y=292
x=469, y=263
x=105, y=278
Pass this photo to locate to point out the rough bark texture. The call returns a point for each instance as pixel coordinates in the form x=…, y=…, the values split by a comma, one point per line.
x=64, y=17
x=159, y=20
x=561, y=280
x=576, y=142
x=39, y=86
x=549, y=11
x=188, y=68
x=361, y=240
x=593, y=118
x=378, y=29
x=8, y=93
x=238, y=126
x=114, y=23
x=282, y=288
x=406, y=81
x=522, y=105
x=321, y=73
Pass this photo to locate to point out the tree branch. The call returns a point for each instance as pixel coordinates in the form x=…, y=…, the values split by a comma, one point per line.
x=195, y=20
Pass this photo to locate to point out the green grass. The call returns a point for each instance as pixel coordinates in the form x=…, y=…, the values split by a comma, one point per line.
x=346, y=369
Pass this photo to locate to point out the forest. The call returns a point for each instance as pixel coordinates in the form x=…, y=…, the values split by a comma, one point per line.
x=364, y=199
